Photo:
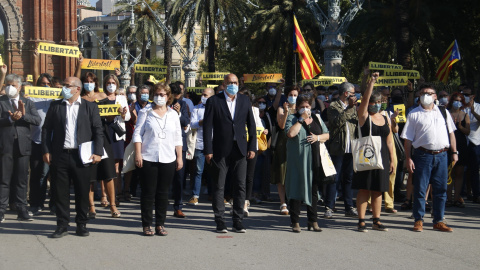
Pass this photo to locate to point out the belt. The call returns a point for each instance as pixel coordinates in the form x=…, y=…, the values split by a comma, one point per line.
x=70, y=151
x=433, y=152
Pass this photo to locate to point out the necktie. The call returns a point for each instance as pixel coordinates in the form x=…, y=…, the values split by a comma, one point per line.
x=14, y=105
x=15, y=134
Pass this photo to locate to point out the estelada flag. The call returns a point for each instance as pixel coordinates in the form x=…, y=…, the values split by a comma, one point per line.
x=308, y=65
x=451, y=56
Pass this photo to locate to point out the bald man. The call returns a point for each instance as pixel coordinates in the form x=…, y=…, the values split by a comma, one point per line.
x=62, y=134
x=226, y=115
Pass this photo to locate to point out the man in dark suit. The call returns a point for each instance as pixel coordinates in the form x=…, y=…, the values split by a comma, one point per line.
x=16, y=115
x=69, y=123
x=226, y=116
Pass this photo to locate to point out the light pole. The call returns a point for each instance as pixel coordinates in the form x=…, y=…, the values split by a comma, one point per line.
x=333, y=30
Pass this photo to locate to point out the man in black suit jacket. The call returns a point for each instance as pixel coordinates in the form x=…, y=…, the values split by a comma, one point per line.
x=69, y=123
x=16, y=115
x=226, y=116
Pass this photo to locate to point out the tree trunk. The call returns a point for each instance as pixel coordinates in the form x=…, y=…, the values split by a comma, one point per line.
x=289, y=68
x=211, y=44
x=403, y=41
x=167, y=59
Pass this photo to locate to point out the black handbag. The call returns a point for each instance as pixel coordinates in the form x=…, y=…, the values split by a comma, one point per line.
x=118, y=129
x=399, y=147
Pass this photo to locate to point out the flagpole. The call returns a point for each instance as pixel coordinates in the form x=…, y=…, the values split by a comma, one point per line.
x=295, y=68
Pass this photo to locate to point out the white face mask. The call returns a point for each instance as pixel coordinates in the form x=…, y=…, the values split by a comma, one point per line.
x=111, y=88
x=11, y=91
x=426, y=100
x=204, y=100
x=302, y=110
x=132, y=96
x=160, y=101
x=262, y=106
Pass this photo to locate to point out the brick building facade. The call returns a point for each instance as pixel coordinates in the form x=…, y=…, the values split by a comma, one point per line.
x=28, y=22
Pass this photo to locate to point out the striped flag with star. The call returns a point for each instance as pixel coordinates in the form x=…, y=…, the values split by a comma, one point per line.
x=451, y=56
x=308, y=65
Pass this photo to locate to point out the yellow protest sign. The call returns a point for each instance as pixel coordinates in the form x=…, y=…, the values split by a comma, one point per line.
x=197, y=90
x=259, y=132
x=212, y=85
x=411, y=74
x=155, y=81
x=100, y=64
x=43, y=92
x=401, y=118
x=318, y=82
x=391, y=81
x=29, y=78
x=214, y=76
x=383, y=66
x=61, y=50
x=140, y=68
x=335, y=80
x=109, y=110
x=262, y=78
x=1, y=60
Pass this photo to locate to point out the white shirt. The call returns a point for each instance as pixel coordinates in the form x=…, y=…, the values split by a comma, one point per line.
x=348, y=143
x=427, y=128
x=159, y=135
x=231, y=104
x=71, y=124
x=197, y=115
x=474, y=135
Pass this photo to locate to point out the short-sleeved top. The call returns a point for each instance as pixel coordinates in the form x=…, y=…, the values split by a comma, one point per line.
x=474, y=135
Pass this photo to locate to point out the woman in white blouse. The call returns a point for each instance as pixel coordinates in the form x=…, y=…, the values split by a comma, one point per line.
x=158, y=153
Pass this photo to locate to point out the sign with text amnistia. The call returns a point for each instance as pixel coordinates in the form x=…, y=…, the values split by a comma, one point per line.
x=140, y=68
x=43, y=92
x=411, y=74
x=61, y=50
x=262, y=78
x=100, y=64
x=197, y=90
x=383, y=66
x=109, y=110
x=214, y=76
x=392, y=81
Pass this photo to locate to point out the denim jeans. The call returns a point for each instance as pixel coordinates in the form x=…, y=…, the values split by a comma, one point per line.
x=429, y=169
x=200, y=164
x=473, y=167
x=344, y=167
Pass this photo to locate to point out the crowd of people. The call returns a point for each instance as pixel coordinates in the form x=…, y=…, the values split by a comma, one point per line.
x=233, y=145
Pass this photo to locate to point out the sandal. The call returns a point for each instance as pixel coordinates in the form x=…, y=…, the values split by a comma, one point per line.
x=160, y=230
x=115, y=214
x=104, y=202
x=360, y=227
x=147, y=231
x=283, y=209
x=91, y=215
x=378, y=226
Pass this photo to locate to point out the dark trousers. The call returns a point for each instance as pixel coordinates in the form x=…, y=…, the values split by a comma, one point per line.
x=250, y=174
x=344, y=167
x=473, y=166
x=311, y=209
x=177, y=188
x=14, y=175
x=38, y=177
x=237, y=163
x=69, y=166
x=155, y=181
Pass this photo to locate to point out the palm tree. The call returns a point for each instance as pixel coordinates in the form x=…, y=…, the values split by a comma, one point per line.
x=212, y=16
x=167, y=4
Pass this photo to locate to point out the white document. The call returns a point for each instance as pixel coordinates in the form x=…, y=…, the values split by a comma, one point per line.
x=86, y=151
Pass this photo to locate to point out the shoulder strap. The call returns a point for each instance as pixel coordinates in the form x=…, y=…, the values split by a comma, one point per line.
x=443, y=110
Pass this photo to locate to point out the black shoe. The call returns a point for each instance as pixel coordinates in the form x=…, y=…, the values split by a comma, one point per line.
x=221, y=228
x=24, y=215
x=60, y=232
x=238, y=227
x=82, y=230
x=36, y=210
x=2, y=217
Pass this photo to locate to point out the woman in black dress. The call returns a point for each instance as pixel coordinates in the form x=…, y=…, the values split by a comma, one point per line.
x=462, y=121
x=373, y=182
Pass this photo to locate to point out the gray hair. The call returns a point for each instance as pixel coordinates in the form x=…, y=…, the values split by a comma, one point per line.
x=376, y=96
x=130, y=87
x=13, y=77
x=344, y=87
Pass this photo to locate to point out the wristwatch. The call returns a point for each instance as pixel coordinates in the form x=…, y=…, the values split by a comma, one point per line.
x=300, y=120
x=456, y=152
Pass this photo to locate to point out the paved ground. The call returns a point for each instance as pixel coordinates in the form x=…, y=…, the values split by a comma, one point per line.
x=268, y=243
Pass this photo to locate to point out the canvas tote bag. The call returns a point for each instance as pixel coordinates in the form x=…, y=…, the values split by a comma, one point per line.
x=366, y=151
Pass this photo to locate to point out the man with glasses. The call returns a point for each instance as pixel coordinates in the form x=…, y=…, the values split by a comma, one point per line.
x=429, y=129
x=473, y=110
x=342, y=121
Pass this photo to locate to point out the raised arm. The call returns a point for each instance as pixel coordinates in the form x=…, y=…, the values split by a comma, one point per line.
x=363, y=109
x=78, y=69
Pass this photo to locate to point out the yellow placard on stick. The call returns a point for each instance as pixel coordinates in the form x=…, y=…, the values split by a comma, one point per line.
x=197, y=90
x=411, y=74
x=335, y=80
x=100, y=64
x=1, y=60
x=155, y=81
x=109, y=110
x=383, y=66
x=43, y=92
x=212, y=85
x=29, y=78
x=139, y=68
x=318, y=82
x=213, y=76
x=61, y=50
x=401, y=118
x=262, y=78
x=392, y=81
